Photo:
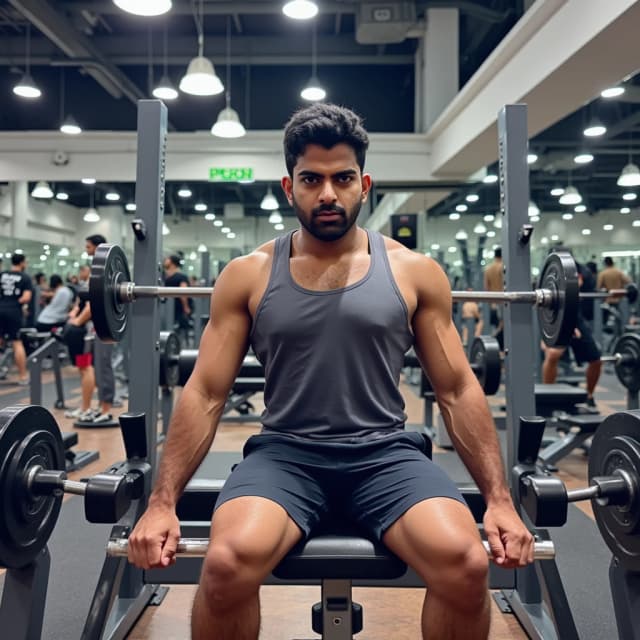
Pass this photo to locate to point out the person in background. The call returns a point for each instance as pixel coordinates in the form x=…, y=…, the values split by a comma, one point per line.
x=182, y=305
x=611, y=278
x=16, y=291
x=494, y=281
x=471, y=310
x=56, y=313
x=41, y=297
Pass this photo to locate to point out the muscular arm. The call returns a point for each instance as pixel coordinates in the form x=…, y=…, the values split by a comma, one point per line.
x=185, y=300
x=195, y=418
x=460, y=398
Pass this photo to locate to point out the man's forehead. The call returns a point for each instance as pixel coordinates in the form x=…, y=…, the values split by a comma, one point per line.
x=340, y=155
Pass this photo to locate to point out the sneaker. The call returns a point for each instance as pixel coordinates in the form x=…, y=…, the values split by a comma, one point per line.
x=87, y=416
x=73, y=413
x=23, y=382
x=592, y=407
x=102, y=417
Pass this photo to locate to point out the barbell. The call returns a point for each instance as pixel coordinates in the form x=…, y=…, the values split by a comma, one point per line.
x=111, y=291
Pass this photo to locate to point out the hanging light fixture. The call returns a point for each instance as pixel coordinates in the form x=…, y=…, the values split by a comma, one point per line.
x=570, y=196
x=533, y=209
x=201, y=78
x=91, y=214
x=68, y=125
x=184, y=191
x=165, y=90
x=313, y=90
x=630, y=175
x=275, y=217
x=300, y=9
x=228, y=124
x=42, y=190
x=27, y=88
x=144, y=7
x=594, y=129
x=269, y=202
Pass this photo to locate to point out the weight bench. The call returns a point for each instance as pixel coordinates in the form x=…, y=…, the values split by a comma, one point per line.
x=75, y=460
x=553, y=398
x=587, y=425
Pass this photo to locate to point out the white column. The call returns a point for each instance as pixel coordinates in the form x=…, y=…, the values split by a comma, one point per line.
x=437, y=66
x=19, y=209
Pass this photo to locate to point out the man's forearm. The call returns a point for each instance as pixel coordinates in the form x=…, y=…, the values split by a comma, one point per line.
x=474, y=436
x=191, y=431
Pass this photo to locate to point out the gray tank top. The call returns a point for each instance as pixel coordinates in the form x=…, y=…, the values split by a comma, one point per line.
x=332, y=359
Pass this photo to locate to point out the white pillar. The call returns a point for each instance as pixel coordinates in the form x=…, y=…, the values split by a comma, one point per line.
x=437, y=67
x=19, y=209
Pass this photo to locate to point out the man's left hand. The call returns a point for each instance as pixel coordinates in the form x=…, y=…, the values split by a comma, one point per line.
x=511, y=543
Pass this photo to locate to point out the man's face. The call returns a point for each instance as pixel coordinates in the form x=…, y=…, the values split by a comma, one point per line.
x=327, y=190
x=166, y=265
x=90, y=248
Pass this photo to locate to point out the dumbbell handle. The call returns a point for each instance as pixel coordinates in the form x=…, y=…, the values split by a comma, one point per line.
x=197, y=547
x=616, y=489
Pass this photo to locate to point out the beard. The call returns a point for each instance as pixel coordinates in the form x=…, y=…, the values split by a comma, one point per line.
x=327, y=230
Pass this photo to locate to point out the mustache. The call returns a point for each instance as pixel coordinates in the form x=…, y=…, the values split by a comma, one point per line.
x=324, y=208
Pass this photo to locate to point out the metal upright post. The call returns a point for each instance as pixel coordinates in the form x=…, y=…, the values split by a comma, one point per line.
x=145, y=321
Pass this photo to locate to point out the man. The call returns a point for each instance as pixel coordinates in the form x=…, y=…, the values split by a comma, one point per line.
x=182, y=305
x=16, y=291
x=494, y=281
x=471, y=311
x=611, y=278
x=582, y=344
x=56, y=313
x=330, y=310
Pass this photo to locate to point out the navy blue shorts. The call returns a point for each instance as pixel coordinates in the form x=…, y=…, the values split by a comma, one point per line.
x=368, y=484
x=584, y=348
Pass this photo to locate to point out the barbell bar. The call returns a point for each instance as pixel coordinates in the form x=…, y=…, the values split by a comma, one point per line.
x=197, y=548
x=111, y=290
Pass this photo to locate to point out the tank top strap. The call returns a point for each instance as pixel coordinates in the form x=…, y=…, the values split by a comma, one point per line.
x=281, y=254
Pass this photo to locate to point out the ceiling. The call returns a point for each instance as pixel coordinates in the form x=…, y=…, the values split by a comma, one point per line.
x=94, y=61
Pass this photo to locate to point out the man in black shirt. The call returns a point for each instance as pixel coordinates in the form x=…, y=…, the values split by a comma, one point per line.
x=183, y=305
x=15, y=291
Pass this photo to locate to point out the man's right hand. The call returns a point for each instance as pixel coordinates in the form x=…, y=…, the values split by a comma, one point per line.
x=153, y=542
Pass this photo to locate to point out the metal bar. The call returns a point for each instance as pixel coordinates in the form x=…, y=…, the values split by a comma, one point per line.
x=197, y=547
x=71, y=486
x=583, y=494
x=535, y=297
x=604, y=294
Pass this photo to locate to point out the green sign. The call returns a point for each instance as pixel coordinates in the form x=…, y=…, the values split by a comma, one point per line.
x=230, y=174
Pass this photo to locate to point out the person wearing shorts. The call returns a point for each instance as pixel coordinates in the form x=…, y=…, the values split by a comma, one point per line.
x=16, y=291
x=330, y=309
x=583, y=347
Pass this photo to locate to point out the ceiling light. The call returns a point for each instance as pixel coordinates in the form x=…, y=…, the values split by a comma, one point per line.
x=269, y=202
x=586, y=232
x=193, y=255
x=612, y=92
x=130, y=206
x=629, y=196
x=580, y=208
x=42, y=190
x=567, y=216
x=313, y=91
x=88, y=180
x=489, y=217
x=462, y=235
x=70, y=126
x=202, y=248
x=595, y=129
x=27, y=88
x=165, y=229
x=479, y=228
x=209, y=216
x=279, y=226
x=491, y=233
x=534, y=218
x=635, y=223
x=144, y=7
x=62, y=195
x=497, y=223
x=583, y=158
x=435, y=246
x=225, y=229
x=533, y=209
x=452, y=249
x=228, y=124
x=472, y=197
x=112, y=196
x=555, y=238
x=570, y=196
x=91, y=215
x=201, y=78
x=630, y=176
x=544, y=240
x=490, y=178
x=275, y=217
x=217, y=223
x=200, y=206
x=461, y=208
x=625, y=210
x=231, y=235
x=532, y=157
x=607, y=227
x=454, y=216
x=165, y=89
x=300, y=9
x=557, y=191
x=184, y=192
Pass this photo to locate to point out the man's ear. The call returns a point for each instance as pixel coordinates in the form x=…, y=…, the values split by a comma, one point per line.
x=366, y=186
x=287, y=187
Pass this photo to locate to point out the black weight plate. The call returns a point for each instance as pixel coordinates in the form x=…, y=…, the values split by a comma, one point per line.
x=169, y=346
x=628, y=368
x=558, y=320
x=616, y=446
x=632, y=292
x=108, y=270
x=29, y=435
x=485, y=356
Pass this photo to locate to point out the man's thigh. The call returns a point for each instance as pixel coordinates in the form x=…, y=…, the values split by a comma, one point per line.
x=393, y=479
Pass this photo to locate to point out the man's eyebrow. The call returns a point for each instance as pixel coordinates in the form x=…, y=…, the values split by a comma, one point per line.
x=307, y=173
